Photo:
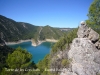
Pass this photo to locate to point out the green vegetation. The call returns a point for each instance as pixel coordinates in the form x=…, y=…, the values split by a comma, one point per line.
x=65, y=62
x=61, y=45
x=19, y=60
x=4, y=50
x=48, y=32
x=94, y=16
x=26, y=31
x=14, y=31
x=65, y=41
x=43, y=65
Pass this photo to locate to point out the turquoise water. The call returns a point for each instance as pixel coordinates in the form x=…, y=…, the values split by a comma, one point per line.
x=37, y=52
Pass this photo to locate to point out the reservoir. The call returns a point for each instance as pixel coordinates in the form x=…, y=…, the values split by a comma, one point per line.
x=38, y=52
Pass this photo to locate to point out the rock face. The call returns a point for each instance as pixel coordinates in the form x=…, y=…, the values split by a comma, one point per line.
x=86, y=32
x=98, y=44
x=85, y=56
x=84, y=53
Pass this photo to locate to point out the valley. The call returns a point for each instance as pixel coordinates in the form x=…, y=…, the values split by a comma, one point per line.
x=29, y=46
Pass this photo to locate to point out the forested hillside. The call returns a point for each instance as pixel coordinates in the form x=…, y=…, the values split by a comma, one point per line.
x=12, y=31
x=4, y=50
x=50, y=33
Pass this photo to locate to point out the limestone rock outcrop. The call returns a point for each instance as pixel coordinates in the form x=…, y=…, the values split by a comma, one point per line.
x=85, y=56
x=97, y=44
x=86, y=32
x=84, y=53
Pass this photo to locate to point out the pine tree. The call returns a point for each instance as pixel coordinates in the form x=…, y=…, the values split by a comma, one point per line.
x=94, y=16
x=94, y=13
x=19, y=59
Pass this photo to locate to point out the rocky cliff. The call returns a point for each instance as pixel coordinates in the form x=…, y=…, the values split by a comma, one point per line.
x=84, y=53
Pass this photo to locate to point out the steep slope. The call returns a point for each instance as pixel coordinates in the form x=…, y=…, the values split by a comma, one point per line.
x=50, y=33
x=14, y=31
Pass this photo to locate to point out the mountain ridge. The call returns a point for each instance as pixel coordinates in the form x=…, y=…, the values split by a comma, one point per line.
x=13, y=31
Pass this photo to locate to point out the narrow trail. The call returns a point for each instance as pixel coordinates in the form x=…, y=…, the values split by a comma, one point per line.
x=51, y=31
x=40, y=32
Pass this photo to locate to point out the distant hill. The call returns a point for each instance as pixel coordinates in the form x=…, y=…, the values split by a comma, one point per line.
x=65, y=29
x=12, y=31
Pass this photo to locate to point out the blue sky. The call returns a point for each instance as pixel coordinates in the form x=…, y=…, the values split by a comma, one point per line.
x=56, y=13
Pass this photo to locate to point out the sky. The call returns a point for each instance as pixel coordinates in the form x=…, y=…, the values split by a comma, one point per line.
x=56, y=13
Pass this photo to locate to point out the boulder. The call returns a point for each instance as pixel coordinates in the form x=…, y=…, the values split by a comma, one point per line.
x=86, y=32
x=97, y=44
x=85, y=57
x=84, y=53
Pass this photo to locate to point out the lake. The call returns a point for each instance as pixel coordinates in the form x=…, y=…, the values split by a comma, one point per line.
x=38, y=52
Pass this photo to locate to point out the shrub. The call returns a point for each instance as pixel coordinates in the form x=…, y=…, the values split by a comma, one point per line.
x=65, y=62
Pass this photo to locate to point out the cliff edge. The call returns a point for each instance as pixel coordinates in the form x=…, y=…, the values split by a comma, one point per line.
x=84, y=53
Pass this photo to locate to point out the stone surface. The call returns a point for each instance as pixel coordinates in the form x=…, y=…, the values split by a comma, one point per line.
x=85, y=32
x=68, y=73
x=84, y=53
x=97, y=44
x=85, y=58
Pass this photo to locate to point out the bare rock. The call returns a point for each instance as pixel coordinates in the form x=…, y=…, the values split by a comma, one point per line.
x=84, y=53
x=85, y=57
x=85, y=32
x=68, y=73
x=97, y=44
x=93, y=36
